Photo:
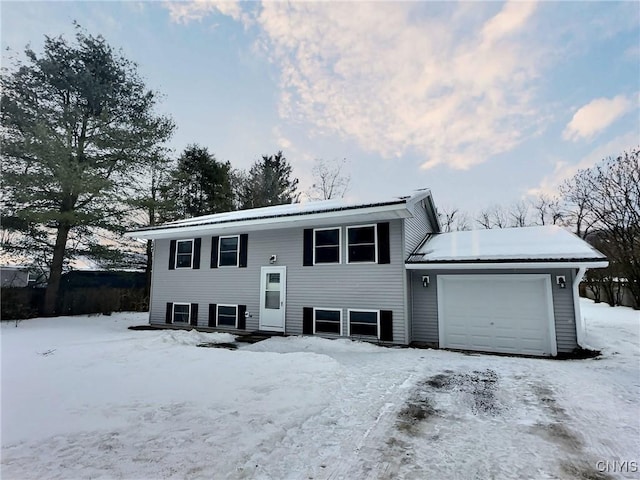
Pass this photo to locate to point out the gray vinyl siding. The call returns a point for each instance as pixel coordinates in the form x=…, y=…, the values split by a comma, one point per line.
x=416, y=227
x=425, y=305
x=564, y=312
x=343, y=286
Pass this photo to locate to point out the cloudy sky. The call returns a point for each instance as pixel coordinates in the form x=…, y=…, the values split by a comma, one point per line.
x=483, y=102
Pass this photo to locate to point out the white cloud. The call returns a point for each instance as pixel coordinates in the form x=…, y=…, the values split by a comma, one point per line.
x=595, y=116
x=450, y=82
x=564, y=170
x=196, y=10
x=511, y=18
x=375, y=73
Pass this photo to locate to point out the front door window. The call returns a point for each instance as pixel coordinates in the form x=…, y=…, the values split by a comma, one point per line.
x=272, y=291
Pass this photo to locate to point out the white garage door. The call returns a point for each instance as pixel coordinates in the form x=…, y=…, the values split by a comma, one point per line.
x=497, y=313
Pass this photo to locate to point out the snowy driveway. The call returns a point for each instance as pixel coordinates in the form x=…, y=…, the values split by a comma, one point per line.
x=87, y=398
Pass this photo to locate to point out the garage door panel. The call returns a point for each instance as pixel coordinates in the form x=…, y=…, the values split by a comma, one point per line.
x=496, y=313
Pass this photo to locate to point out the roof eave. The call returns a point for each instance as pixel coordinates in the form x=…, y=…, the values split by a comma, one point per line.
x=379, y=212
x=505, y=264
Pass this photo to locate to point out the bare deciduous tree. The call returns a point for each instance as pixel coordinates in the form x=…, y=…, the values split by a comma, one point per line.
x=548, y=210
x=493, y=217
x=605, y=203
x=519, y=214
x=453, y=219
x=329, y=179
x=484, y=219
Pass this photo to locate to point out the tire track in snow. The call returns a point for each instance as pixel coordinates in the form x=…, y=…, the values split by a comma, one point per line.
x=345, y=429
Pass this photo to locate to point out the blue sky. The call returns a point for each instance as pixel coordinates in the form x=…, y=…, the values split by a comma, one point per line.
x=483, y=102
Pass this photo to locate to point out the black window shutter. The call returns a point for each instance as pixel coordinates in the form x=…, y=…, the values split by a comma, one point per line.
x=196, y=252
x=307, y=320
x=384, y=254
x=172, y=255
x=242, y=321
x=386, y=325
x=214, y=251
x=212, y=314
x=244, y=243
x=169, y=317
x=194, y=314
x=307, y=255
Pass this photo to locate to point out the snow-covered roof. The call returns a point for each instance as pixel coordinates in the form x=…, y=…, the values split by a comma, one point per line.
x=278, y=216
x=548, y=243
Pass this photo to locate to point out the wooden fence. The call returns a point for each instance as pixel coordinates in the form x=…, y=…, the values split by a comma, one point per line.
x=80, y=293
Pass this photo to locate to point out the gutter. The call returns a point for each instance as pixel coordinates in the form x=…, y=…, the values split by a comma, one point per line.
x=497, y=265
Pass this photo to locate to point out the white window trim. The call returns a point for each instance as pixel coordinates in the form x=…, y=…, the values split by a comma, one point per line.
x=173, y=313
x=375, y=244
x=217, y=314
x=192, y=252
x=220, y=251
x=339, y=262
x=330, y=310
x=349, y=310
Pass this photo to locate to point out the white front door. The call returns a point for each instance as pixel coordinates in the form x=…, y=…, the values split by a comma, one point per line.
x=273, y=291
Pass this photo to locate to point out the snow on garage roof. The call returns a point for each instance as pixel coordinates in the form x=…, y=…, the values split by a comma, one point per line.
x=550, y=244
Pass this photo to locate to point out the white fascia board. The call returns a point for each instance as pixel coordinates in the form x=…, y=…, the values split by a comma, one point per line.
x=504, y=265
x=371, y=214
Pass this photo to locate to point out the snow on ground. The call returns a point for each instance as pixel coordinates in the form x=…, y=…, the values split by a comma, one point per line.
x=84, y=397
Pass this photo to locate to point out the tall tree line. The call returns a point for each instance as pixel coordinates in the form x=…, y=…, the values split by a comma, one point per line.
x=78, y=122
x=84, y=159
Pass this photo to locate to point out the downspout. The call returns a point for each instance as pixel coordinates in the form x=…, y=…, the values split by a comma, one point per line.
x=153, y=271
x=580, y=325
x=406, y=286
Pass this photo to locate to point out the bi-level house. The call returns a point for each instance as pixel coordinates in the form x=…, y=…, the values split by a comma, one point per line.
x=379, y=271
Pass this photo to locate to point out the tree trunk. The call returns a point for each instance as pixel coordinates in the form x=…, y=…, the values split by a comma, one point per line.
x=53, y=287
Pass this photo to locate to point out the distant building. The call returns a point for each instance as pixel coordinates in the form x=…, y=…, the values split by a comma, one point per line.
x=14, y=276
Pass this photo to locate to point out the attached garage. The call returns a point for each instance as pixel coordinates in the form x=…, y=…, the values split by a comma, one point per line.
x=497, y=313
x=509, y=291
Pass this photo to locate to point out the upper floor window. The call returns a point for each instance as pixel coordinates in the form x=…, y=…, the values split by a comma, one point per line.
x=326, y=245
x=362, y=244
x=184, y=253
x=228, y=256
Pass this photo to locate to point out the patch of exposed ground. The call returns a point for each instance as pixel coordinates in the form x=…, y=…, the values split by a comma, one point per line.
x=560, y=434
x=477, y=388
x=583, y=472
x=547, y=398
x=228, y=346
x=557, y=430
x=417, y=409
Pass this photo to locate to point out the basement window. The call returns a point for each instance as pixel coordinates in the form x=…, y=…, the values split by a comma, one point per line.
x=227, y=316
x=327, y=320
x=364, y=323
x=181, y=312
